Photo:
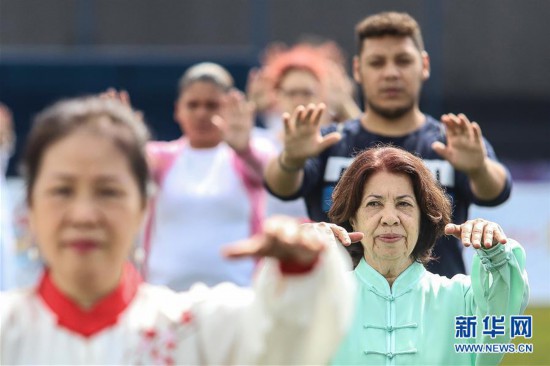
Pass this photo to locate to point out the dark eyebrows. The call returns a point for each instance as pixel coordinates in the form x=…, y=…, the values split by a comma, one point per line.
x=107, y=178
x=374, y=196
x=380, y=196
x=377, y=196
x=404, y=55
x=405, y=196
x=62, y=176
x=375, y=57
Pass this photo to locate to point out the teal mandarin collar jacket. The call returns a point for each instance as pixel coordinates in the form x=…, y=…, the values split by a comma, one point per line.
x=413, y=322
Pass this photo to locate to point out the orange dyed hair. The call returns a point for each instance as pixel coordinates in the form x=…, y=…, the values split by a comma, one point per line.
x=302, y=57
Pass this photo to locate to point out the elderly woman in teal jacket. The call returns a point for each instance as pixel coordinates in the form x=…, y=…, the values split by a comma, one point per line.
x=406, y=315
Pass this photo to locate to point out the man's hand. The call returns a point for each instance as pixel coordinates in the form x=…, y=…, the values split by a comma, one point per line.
x=302, y=135
x=465, y=149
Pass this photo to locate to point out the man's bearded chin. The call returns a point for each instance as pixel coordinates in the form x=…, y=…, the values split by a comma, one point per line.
x=390, y=113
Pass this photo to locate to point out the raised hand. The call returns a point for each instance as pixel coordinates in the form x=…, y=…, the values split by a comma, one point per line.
x=340, y=93
x=302, y=135
x=259, y=90
x=123, y=97
x=235, y=120
x=120, y=95
x=465, y=149
x=7, y=135
x=477, y=232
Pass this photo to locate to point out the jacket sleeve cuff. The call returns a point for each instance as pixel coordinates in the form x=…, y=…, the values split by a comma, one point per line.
x=495, y=257
x=295, y=268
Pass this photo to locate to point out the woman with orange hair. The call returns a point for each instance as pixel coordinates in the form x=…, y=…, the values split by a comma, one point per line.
x=301, y=75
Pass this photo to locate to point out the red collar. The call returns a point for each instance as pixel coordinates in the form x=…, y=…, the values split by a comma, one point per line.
x=102, y=315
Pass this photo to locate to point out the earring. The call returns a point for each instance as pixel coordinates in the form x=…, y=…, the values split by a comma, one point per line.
x=139, y=256
x=33, y=253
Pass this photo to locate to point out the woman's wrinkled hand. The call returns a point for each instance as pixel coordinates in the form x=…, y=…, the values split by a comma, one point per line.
x=337, y=232
x=477, y=232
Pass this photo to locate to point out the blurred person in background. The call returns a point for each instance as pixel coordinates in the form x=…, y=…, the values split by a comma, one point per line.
x=20, y=264
x=391, y=66
x=88, y=187
x=7, y=242
x=210, y=188
x=341, y=102
x=303, y=74
x=289, y=77
x=406, y=315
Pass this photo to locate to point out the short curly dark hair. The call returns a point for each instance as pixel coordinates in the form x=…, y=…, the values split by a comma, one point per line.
x=388, y=24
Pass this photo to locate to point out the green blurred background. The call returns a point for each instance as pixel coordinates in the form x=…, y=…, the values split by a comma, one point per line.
x=540, y=340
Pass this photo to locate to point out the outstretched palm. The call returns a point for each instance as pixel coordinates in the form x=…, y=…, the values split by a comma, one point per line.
x=465, y=149
x=302, y=133
x=235, y=120
x=285, y=239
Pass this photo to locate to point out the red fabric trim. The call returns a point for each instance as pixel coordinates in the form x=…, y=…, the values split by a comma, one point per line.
x=291, y=267
x=102, y=315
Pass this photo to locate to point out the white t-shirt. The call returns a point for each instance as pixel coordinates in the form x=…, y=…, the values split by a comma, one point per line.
x=201, y=206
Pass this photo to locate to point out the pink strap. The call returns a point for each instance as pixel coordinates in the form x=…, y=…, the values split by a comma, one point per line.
x=161, y=156
x=251, y=174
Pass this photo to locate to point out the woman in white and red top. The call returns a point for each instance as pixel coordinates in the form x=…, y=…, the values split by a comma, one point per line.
x=87, y=189
x=210, y=188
